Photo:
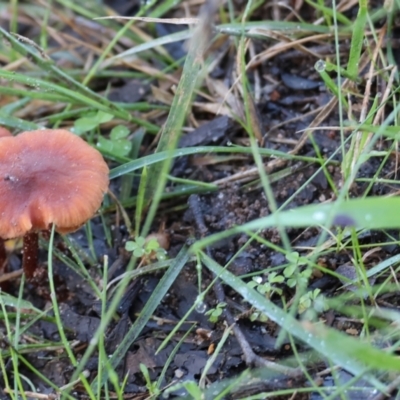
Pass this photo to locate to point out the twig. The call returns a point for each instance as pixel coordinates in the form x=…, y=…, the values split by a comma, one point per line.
x=11, y=275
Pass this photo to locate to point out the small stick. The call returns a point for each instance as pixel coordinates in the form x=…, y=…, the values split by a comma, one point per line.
x=7, y=276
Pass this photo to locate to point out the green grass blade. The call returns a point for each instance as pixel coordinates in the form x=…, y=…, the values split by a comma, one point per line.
x=167, y=39
x=140, y=200
x=162, y=288
x=134, y=165
x=44, y=62
x=358, y=143
x=171, y=133
x=65, y=93
x=17, y=123
x=357, y=39
x=350, y=353
x=327, y=12
x=330, y=84
x=369, y=213
x=234, y=29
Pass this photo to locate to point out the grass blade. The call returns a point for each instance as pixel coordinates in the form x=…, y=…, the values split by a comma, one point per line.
x=44, y=62
x=357, y=39
x=369, y=213
x=162, y=288
x=163, y=155
x=351, y=354
x=171, y=133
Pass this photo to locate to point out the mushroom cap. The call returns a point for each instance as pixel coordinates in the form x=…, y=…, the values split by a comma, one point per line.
x=4, y=132
x=48, y=176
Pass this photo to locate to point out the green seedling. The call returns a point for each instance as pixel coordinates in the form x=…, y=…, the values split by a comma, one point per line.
x=118, y=143
x=291, y=277
x=191, y=387
x=269, y=287
x=140, y=247
x=308, y=300
x=91, y=121
x=152, y=387
x=216, y=312
x=291, y=272
x=258, y=316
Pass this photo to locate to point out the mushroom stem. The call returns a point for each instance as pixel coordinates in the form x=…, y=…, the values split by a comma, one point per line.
x=3, y=256
x=30, y=249
x=3, y=264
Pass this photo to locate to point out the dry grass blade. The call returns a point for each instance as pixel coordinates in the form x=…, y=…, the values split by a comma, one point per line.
x=174, y=21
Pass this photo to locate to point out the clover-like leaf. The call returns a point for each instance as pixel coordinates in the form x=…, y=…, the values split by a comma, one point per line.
x=293, y=257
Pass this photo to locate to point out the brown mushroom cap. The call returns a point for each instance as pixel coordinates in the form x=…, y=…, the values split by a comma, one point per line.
x=4, y=132
x=48, y=176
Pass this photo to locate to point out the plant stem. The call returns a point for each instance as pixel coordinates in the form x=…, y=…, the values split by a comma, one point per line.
x=30, y=250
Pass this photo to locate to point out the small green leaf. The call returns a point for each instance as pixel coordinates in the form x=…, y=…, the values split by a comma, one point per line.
x=262, y=317
x=130, y=246
x=263, y=288
x=253, y=317
x=11, y=301
x=138, y=252
x=119, y=132
x=293, y=257
x=217, y=312
x=292, y=282
x=140, y=241
x=289, y=270
x=146, y=375
x=161, y=254
x=84, y=124
x=120, y=147
x=193, y=389
x=315, y=293
x=306, y=273
x=252, y=284
x=152, y=245
x=137, y=246
x=102, y=117
x=273, y=277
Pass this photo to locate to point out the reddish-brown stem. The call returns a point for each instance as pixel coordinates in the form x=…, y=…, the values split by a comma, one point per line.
x=3, y=265
x=3, y=255
x=30, y=249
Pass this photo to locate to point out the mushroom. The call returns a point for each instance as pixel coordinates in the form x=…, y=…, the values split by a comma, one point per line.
x=48, y=176
x=3, y=256
x=4, y=132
